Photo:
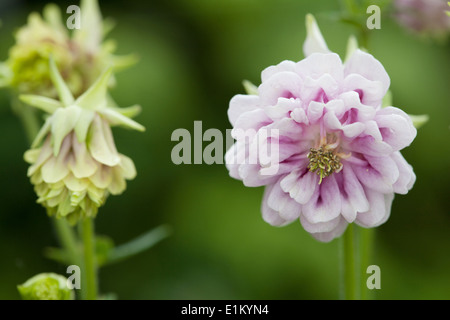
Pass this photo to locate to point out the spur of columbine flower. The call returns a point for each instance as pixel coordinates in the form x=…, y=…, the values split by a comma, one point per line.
x=74, y=161
x=81, y=56
x=338, y=159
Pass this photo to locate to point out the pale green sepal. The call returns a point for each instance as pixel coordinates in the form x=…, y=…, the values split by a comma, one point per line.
x=108, y=25
x=129, y=112
x=48, y=105
x=42, y=133
x=46, y=286
x=83, y=124
x=314, y=40
x=95, y=97
x=125, y=61
x=387, y=99
x=352, y=46
x=64, y=93
x=30, y=156
x=63, y=121
x=419, y=120
x=52, y=15
x=115, y=118
x=90, y=34
x=250, y=88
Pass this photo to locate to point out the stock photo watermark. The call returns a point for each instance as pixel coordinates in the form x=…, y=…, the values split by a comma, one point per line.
x=251, y=147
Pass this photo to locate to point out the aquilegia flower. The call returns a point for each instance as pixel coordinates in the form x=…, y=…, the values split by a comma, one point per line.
x=338, y=158
x=81, y=55
x=426, y=17
x=74, y=161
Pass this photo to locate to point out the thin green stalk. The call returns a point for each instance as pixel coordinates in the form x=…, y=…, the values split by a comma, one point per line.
x=367, y=244
x=68, y=240
x=351, y=287
x=89, y=270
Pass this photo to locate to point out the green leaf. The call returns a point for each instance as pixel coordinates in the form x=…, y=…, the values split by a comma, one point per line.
x=139, y=244
x=104, y=245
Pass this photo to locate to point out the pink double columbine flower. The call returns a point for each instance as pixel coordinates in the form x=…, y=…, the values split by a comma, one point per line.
x=338, y=151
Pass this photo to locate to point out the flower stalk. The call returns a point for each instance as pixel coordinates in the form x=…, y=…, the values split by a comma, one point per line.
x=89, y=270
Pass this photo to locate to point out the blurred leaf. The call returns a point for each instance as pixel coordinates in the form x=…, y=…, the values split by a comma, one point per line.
x=104, y=245
x=58, y=255
x=139, y=244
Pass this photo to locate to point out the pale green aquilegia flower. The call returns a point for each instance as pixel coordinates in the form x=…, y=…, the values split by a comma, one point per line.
x=74, y=162
x=80, y=55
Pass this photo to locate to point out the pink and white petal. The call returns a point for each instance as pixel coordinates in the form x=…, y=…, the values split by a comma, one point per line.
x=367, y=145
x=333, y=234
x=396, y=127
x=406, y=178
x=386, y=166
x=325, y=203
x=315, y=111
x=278, y=200
x=240, y=104
x=249, y=123
x=371, y=177
x=283, y=108
x=269, y=215
x=299, y=116
x=300, y=185
x=380, y=209
x=370, y=68
x=280, y=85
x=281, y=67
x=352, y=193
x=371, y=93
x=319, y=227
x=318, y=64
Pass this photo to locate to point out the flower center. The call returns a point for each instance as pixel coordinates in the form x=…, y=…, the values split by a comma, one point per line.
x=324, y=162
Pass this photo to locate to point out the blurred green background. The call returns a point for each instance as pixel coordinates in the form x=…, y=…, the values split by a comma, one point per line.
x=194, y=55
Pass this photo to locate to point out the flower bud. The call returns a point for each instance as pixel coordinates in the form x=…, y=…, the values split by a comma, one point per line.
x=46, y=286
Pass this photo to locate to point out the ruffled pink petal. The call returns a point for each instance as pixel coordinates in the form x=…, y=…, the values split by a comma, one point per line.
x=287, y=208
x=406, y=177
x=325, y=203
x=396, y=127
x=241, y=104
x=370, y=68
x=269, y=215
x=300, y=184
x=380, y=209
x=335, y=233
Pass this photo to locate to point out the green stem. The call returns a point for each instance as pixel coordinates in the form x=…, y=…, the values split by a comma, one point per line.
x=89, y=289
x=350, y=258
x=68, y=240
x=367, y=244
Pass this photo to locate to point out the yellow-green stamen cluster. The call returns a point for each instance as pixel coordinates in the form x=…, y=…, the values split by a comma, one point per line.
x=323, y=162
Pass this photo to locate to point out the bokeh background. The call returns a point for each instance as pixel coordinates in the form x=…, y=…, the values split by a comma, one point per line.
x=194, y=55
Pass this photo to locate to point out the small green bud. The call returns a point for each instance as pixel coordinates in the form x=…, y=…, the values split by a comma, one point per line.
x=46, y=286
